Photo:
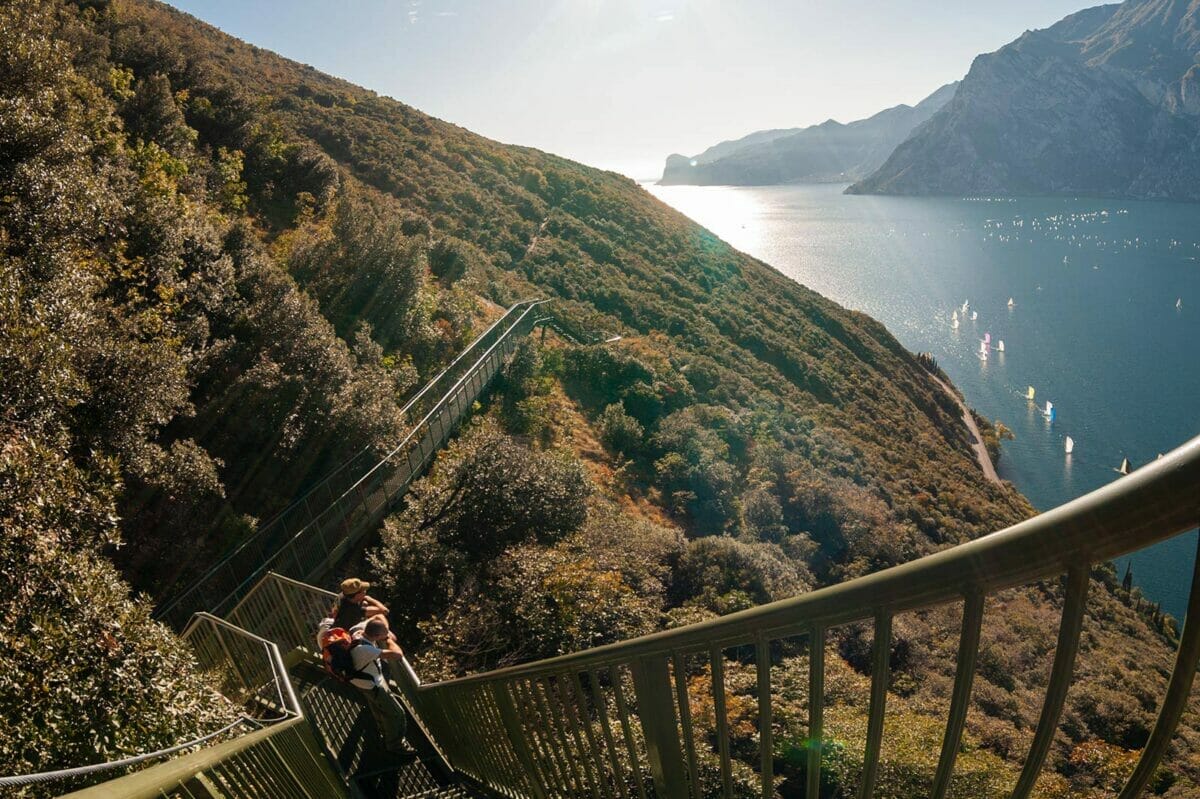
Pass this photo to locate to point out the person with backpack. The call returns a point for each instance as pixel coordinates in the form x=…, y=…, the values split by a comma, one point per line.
x=356, y=656
x=354, y=606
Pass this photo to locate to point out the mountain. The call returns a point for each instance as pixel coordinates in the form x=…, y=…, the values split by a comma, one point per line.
x=1106, y=103
x=222, y=272
x=827, y=152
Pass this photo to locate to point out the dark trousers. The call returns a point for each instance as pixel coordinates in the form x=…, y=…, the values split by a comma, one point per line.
x=389, y=717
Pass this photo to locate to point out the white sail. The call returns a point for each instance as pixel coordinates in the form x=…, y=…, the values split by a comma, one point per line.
x=1000, y=345
x=1010, y=302
x=983, y=346
x=954, y=323
x=1029, y=394
x=1179, y=304
x=974, y=315
x=1124, y=466
x=1049, y=408
x=1070, y=445
x=954, y=315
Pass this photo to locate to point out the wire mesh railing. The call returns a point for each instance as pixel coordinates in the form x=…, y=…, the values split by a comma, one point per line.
x=273, y=754
x=312, y=534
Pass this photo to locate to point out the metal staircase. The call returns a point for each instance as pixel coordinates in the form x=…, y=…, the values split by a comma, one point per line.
x=621, y=720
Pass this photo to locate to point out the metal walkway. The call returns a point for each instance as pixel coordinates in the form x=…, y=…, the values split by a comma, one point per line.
x=620, y=721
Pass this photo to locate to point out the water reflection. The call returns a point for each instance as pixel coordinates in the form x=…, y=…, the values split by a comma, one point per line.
x=1092, y=324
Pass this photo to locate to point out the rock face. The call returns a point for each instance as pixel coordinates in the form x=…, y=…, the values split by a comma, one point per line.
x=1105, y=103
x=827, y=152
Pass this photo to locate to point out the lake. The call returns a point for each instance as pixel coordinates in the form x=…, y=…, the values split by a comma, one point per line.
x=1093, y=328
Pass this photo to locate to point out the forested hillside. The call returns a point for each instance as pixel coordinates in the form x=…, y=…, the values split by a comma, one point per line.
x=221, y=274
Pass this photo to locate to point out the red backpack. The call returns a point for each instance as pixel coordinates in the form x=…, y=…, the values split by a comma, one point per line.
x=335, y=652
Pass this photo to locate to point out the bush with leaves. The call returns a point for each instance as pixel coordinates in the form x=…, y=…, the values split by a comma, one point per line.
x=486, y=493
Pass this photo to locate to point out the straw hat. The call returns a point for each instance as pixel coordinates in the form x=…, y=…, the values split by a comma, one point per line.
x=352, y=585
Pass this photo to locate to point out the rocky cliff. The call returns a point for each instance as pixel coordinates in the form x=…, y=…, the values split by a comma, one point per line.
x=1106, y=102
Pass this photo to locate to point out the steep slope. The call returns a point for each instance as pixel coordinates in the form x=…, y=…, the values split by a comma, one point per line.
x=1105, y=102
x=277, y=255
x=830, y=151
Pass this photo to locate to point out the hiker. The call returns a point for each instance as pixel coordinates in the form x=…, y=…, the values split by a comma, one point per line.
x=354, y=606
x=375, y=643
x=356, y=656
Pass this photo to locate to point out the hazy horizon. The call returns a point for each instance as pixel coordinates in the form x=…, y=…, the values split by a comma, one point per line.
x=621, y=84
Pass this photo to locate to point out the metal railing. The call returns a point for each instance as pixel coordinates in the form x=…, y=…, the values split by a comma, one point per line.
x=618, y=720
x=311, y=534
x=279, y=757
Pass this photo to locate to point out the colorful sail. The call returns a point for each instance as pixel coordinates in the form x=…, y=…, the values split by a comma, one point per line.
x=987, y=338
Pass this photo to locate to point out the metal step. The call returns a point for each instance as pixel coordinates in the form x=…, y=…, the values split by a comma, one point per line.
x=345, y=728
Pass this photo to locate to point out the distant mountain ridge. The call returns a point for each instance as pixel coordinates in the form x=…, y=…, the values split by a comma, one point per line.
x=1105, y=102
x=831, y=151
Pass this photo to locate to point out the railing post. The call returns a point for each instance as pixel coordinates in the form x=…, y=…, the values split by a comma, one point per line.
x=816, y=708
x=968, y=651
x=516, y=736
x=1074, y=603
x=652, y=688
x=762, y=663
x=881, y=658
x=1178, y=690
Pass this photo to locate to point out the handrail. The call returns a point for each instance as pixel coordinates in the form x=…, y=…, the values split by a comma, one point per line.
x=1153, y=503
x=327, y=534
x=612, y=720
x=251, y=671
x=539, y=718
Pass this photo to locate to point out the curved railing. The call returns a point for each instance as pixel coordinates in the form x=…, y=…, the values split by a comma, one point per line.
x=618, y=720
x=584, y=724
x=322, y=527
x=276, y=753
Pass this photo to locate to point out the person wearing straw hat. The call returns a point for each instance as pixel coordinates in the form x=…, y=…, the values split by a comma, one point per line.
x=354, y=606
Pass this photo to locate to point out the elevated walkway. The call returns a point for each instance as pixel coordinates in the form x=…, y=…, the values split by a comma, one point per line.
x=651, y=716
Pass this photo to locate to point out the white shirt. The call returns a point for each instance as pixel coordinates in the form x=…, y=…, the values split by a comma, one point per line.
x=365, y=657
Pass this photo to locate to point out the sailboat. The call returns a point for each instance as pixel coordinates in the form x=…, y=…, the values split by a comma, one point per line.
x=1049, y=413
x=966, y=304
x=954, y=315
x=1179, y=304
x=1069, y=446
x=1029, y=394
x=1124, y=467
x=974, y=315
x=954, y=322
x=1000, y=345
x=1011, y=304
x=983, y=351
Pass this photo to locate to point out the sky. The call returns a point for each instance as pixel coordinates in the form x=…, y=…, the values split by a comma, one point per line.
x=621, y=84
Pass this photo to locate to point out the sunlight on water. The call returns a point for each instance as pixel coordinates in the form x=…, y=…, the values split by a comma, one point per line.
x=1093, y=326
